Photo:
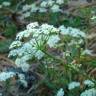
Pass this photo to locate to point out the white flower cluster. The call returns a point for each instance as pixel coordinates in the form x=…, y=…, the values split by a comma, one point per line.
x=15, y=44
x=53, y=5
x=89, y=83
x=5, y=4
x=36, y=38
x=89, y=92
x=60, y=92
x=73, y=85
x=55, y=8
x=6, y=75
x=42, y=7
x=71, y=32
x=53, y=40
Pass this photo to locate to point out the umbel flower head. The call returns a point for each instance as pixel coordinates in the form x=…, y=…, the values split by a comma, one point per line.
x=35, y=40
x=30, y=43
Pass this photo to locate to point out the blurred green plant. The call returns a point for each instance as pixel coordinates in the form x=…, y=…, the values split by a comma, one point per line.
x=4, y=45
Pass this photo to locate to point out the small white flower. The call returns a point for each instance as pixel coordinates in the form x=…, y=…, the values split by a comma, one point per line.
x=73, y=85
x=13, y=52
x=71, y=31
x=50, y=2
x=26, y=14
x=63, y=30
x=5, y=3
x=26, y=7
x=46, y=29
x=89, y=92
x=43, y=4
x=42, y=10
x=55, y=8
x=89, y=83
x=25, y=51
x=39, y=54
x=53, y=40
x=46, y=26
x=34, y=8
x=60, y=92
x=22, y=34
x=15, y=44
x=94, y=17
x=32, y=25
x=6, y=75
x=60, y=1
x=20, y=62
x=21, y=76
x=25, y=67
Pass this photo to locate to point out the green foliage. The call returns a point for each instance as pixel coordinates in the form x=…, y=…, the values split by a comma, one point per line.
x=4, y=45
x=10, y=30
